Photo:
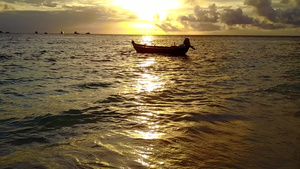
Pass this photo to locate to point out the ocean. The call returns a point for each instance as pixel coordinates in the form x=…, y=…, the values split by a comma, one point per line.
x=90, y=101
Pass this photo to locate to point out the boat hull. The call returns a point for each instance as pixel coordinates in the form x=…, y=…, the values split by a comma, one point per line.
x=173, y=50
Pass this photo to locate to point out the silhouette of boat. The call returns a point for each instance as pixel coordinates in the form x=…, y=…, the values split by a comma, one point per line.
x=88, y=33
x=61, y=32
x=36, y=32
x=172, y=50
x=76, y=32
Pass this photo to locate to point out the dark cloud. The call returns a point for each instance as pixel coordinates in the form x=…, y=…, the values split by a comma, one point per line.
x=167, y=27
x=235, y=17
x=213, y=18
x=210, y=19
x=68, y=20
x=263, y=8
x=284, y=1
x=203, y=19
x=7, y=7
x=203, y=15
x=296, y=2
x=268, y=26
x=48, y=3
x=290, y=16
x=197, y=2
x=29, y=21
x=204, y=26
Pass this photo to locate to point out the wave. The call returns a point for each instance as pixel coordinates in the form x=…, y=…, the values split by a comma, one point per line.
x=210, y=117
x=38, y=129
x=288, y=89
x=4, y=57
x=93, y=85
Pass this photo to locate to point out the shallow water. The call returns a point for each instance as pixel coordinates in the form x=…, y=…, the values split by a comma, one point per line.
x=91, y=101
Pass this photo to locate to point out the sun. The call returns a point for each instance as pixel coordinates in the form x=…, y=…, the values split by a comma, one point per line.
x=147, y=9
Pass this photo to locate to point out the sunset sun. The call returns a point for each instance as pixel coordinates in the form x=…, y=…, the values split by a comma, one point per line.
x=146, y=10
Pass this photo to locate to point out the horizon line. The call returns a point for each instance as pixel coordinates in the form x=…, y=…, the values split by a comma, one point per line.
x=120, y=34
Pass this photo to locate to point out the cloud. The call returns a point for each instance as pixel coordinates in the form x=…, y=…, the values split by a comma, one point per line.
x=234, y=17
x=263, y=8
x=167, y=27
x=214, y=18
x=290, y=16
x=48, y=3
x=203, y=15
x=202, y=19
x=7, y=7
x=205, y=26
x=268, y=26
x=30, y=21
x=219, y=15
x=68, y=20
x=284, y=1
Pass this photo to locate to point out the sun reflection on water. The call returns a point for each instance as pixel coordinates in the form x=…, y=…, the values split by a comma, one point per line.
x=147, y=85
x=147, y=81
x=147, y=40
x=151, y=129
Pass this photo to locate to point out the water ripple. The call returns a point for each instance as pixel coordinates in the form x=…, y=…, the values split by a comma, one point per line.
x=91, y=101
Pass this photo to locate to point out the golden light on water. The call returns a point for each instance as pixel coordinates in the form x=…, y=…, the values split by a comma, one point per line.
x=147, y=84
x=152, y=128
x=147, y=81
x=151, y=131
x=147, y=135
x=148, y=41
x=149, y=61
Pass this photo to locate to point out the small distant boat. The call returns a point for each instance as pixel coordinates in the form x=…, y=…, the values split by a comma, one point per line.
x=88, y=33
x=76, y=32
x=172, y=50
x=46, y=33
x=36, y=32
x=61, y=32
x=1, y=32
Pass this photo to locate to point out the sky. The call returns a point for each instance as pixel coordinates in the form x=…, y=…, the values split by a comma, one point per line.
x=151, y=17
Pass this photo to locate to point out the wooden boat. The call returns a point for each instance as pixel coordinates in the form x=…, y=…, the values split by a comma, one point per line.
x=172, y=50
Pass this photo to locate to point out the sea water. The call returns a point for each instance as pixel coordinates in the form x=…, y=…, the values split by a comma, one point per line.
x=90, y=101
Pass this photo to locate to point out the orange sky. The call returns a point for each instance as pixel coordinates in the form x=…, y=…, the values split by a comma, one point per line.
x=221, y=17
